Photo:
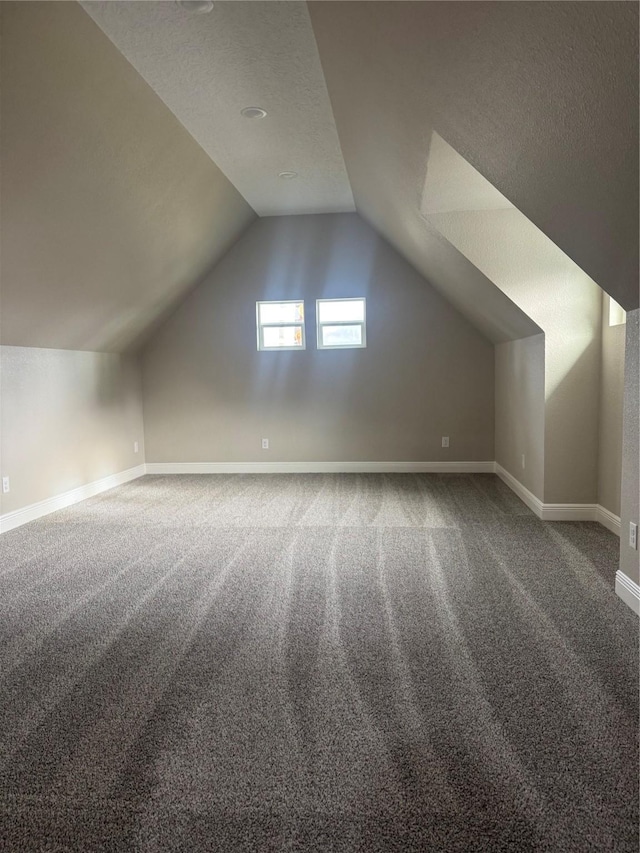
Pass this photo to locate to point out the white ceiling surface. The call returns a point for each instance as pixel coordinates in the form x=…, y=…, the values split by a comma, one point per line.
x=207, y=67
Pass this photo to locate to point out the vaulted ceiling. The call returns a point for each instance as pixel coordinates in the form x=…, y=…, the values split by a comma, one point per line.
x=110, y=210
x=127, y=154
x=541, y=98
x=207, y=67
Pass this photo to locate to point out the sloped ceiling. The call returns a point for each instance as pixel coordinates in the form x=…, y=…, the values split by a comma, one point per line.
x=206, y=68
x=541, y=98
x=110, y=209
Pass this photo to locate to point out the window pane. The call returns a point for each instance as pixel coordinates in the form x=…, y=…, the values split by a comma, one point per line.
x=281, y=336
x=617, y=314
x=341, y=336
x=341, y=310
x=281, y=312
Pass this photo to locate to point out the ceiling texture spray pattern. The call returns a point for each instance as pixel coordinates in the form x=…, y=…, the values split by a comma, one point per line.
x=110, y=210
x=126, y=118
x=540, y=97
x=208, y=67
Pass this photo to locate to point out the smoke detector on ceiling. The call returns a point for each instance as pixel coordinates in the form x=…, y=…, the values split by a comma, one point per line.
x=287, y=176
x=196, y=7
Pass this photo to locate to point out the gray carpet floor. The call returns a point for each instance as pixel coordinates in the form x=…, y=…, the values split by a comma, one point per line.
x=315, y=663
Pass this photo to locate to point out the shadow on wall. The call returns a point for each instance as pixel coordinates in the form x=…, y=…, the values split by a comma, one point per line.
x=114, y=374
x=520, y=410
x=302, y=265
x=551, y=289
x=571, y=465
x=281, y=261
x=426, y=372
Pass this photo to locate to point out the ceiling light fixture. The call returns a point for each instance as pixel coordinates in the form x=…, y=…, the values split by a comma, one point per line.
x=287, y=176
x=196, y=7
x=253, y=112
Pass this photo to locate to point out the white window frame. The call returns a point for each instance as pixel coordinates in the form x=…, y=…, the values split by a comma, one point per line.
x=260, y=326
x=363, y=324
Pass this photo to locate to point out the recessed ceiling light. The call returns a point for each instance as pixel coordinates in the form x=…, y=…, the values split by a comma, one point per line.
x=287, y=175
x=253, y=112
x=196, y=7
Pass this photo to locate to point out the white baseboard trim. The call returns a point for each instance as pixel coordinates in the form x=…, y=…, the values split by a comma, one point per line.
x=608, y=519
x=569, y=512
x=18, y=517
x=560, y=512
x=546, y=512
x=629, y=591
x=527, y=497
x=319, y=467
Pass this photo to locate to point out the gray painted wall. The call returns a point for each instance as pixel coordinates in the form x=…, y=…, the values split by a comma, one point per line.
x=520, y=407
x=110, y=209
x=567, y=305
x=68, y=418
x=611, y=399
x=630, y=509
x=209, y=395
x=541, y=98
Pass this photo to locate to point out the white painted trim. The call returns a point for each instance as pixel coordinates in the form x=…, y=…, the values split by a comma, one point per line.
x=319, y=467
x=560, y=512
x=546, y=512
x=569, y=512
x=30, y=513
x=608, y=519
x=629, y=591
x=527, y=497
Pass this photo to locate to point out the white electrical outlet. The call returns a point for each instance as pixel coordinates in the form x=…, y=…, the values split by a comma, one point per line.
x=5, y=485
x=135, y=447
x=633, y=535
x=445, y=441
x=523, y=461
x=265, y=443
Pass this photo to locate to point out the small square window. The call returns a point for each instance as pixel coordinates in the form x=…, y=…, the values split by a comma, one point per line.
x=341, y=323
x=280, y=325
x=617, y=314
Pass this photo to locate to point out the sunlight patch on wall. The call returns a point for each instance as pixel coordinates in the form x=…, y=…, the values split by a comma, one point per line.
x=515, y=255
x=617, y=314
x=453, y=184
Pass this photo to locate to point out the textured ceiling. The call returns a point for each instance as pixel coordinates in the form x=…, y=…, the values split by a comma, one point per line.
x=541, y=98
x=206, y=68
x=110, y=210
x=453, y=184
